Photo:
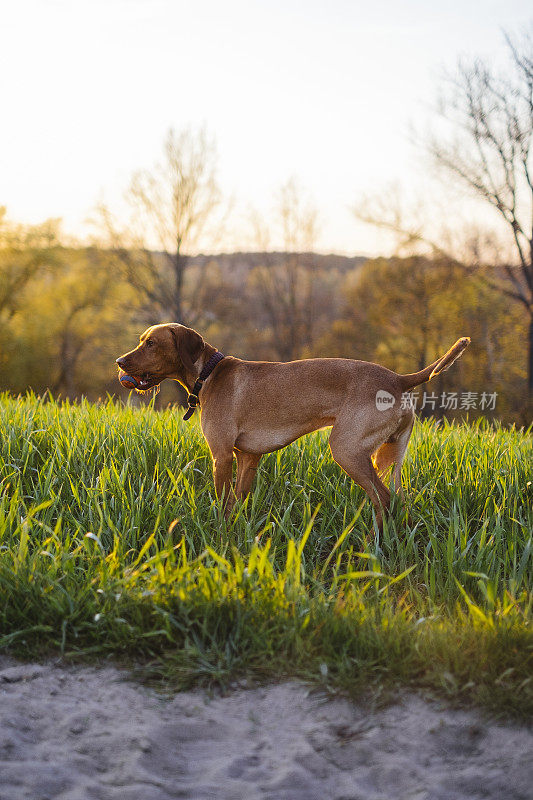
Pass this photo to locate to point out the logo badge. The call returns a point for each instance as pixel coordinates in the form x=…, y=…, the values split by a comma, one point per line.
x=384, y=400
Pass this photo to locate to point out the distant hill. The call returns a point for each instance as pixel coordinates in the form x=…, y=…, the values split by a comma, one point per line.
x=238, y=264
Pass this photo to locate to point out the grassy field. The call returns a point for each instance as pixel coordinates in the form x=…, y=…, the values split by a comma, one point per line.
x=112, y=544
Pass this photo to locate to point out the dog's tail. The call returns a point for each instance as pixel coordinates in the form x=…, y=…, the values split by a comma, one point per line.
x=416, y=378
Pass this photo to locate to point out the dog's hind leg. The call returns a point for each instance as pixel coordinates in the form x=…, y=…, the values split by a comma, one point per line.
x=358, y=465
x=393, y=452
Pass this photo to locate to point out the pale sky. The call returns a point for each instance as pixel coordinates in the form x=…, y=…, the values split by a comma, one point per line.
x=322, y=91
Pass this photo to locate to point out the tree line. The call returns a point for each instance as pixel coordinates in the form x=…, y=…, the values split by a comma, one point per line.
x=67, y=312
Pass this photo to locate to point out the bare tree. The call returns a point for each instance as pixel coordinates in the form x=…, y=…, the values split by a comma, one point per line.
x=172, y=207
x=285, y=287
x=487, y=150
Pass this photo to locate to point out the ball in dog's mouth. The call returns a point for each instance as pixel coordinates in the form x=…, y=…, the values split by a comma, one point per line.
x=128, y=381
x=139, y=383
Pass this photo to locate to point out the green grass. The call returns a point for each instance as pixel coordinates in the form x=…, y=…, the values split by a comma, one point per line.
x=112, y=543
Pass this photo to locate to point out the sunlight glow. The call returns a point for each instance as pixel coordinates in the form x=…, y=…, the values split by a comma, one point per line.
x=322, y=91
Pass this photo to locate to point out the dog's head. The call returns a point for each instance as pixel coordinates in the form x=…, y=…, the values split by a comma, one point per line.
x=164, y=351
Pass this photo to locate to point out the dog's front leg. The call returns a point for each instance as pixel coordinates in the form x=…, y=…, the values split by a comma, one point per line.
x=222, y=473
x=247, y=464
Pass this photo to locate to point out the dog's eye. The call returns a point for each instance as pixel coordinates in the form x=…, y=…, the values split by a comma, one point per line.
x=149, y=343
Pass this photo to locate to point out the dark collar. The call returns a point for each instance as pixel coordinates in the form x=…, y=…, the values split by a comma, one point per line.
x=193, y=399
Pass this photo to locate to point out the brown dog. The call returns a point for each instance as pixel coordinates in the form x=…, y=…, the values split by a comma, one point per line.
x=249, y=408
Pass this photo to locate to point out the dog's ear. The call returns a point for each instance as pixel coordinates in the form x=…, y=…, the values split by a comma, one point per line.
x=189, y=345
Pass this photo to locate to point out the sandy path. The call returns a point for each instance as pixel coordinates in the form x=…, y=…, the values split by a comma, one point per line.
x=86, y=734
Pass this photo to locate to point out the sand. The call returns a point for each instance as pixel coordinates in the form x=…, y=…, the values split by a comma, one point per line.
x=86, y=733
